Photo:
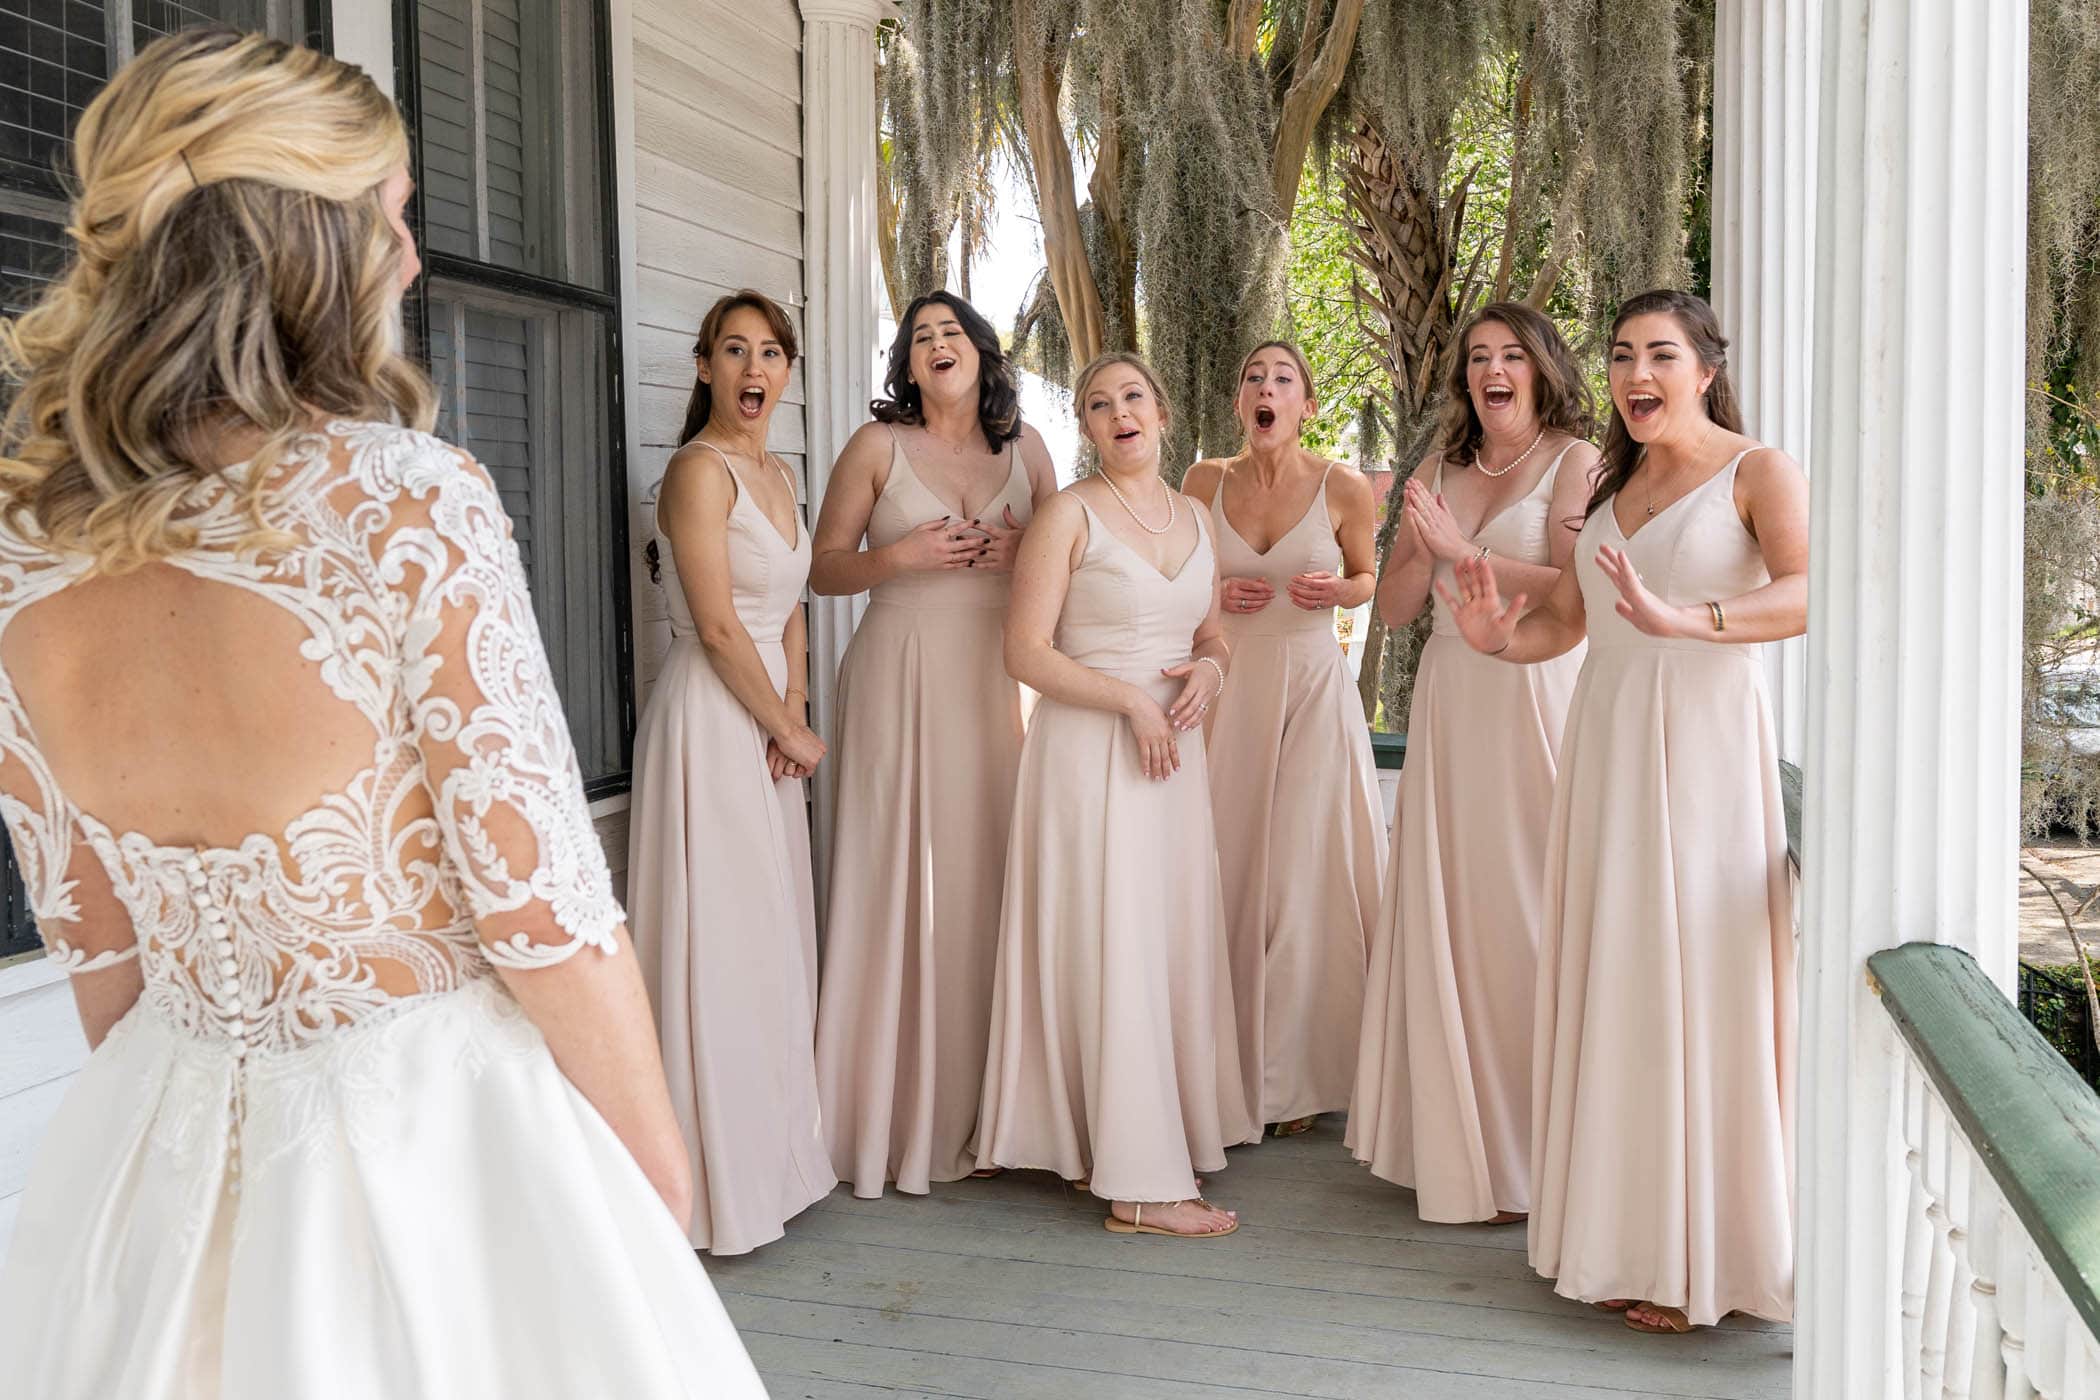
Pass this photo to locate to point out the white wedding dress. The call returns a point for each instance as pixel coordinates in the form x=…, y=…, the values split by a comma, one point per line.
x=326, y=1154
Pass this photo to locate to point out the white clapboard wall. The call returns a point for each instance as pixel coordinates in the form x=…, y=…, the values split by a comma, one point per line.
x=40, y=1047
x=717, y=206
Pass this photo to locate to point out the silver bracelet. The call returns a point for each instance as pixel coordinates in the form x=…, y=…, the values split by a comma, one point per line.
x=1210, y=662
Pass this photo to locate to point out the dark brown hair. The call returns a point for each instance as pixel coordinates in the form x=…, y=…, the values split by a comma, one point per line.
x=702, y=403
x=1562, y=395
x=1621, y=454
x=998, y=401
x=701, y=406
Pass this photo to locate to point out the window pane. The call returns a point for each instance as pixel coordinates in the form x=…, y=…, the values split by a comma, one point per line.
x=508, y=126
x=53, y=59
x=150, y=19
x=514, y=381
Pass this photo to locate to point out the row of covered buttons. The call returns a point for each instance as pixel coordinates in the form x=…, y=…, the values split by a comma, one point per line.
x=227, y=999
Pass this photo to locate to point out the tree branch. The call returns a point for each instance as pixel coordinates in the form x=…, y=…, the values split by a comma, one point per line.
x=1318, y=78
x=1243, y=28
x=1039, y=71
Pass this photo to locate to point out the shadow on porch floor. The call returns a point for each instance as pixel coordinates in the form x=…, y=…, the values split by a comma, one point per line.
x=1011, y=1290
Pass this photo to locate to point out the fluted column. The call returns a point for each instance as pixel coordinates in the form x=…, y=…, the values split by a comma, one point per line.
x=1764, y=201
x=1914, y=614
x=839, y=304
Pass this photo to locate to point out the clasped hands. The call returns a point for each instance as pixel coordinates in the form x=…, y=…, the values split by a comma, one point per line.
x=1314, y=592
x=951, y=543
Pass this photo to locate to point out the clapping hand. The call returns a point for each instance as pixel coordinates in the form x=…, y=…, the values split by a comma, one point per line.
x=1434, y=528
x=1636, y=603
x=1487, y=624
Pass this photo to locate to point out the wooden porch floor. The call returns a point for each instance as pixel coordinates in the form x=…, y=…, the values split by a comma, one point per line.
x=1011, y=1290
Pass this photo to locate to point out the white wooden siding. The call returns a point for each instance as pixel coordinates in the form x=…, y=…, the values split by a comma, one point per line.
x=40, y=1048
x=715, y=204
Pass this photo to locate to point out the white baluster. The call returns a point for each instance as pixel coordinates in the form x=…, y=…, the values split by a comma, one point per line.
x=1939, y=1285
x=1961, y=1300
x=2012, y=1303
x=1987, y=1342
x=2045, y=1328
x=1917, y=1232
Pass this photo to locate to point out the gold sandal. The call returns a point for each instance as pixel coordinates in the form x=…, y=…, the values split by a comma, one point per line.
x=1674, y=1322
x=1136, y=1225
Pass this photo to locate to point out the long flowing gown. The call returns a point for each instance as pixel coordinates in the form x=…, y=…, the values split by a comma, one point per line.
x=1301, y=835
x=1112, y=1052
x=325, y=1153
x=928, y=747
x=1663, y=1084
x=718, y=882
x=1443, y=1082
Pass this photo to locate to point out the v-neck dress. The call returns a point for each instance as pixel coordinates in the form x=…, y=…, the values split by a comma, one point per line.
x=1301, y=836
x=1112, y=1050
x=928, y=745
x=1443, y=1081
x=720, y=902
x=1663, y=1083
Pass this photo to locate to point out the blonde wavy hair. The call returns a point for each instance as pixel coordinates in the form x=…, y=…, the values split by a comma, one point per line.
x=233, y=269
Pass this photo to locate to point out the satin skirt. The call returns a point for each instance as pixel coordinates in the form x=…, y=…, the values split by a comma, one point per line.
x=419, y=1206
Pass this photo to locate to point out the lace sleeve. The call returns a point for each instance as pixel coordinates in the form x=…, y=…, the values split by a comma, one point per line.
x=84, y=926
x=495, y=744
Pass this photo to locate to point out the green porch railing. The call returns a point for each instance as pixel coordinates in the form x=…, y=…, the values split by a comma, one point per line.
x=2027, y=1117
x=1388, y=750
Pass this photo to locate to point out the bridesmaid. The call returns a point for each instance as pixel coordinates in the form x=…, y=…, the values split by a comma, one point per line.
x=1301, y=836
x=929, y=740
x=718, y=879
x=1663, y=1084
x=1112, y=1053
x=1443, y=1084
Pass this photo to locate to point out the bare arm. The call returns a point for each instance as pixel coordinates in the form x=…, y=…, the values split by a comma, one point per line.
x=693, y=512
x=1035, y=460
x=1771, y=493
x=1042, y=573
x=1354, y=511
x=838, y=566
x=1506, y=630
x=528, y=864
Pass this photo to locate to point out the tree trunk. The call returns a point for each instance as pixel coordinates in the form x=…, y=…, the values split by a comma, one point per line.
x=1316, y=78
x=1105, y=189
x=1039, y=71
x=1403, y=238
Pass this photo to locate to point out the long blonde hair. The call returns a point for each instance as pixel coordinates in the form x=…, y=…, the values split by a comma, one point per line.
x=233, y=268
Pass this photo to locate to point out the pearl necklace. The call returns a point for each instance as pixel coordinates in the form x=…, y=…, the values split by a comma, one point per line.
x=1513, y=461
x=1109, y=482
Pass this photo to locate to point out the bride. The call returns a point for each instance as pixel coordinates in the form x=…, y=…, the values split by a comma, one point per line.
x=374, y=1106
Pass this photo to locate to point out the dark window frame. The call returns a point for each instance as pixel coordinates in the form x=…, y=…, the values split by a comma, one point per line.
x=473, y=274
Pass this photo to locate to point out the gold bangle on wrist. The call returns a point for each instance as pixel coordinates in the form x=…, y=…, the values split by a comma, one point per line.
x=1720, y=618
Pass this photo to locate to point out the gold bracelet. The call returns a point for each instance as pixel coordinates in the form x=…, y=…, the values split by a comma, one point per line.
x=1720, y=618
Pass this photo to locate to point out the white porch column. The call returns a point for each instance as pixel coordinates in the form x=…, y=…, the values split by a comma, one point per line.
x=1764, y=201
x=840, y=297
x=1914, y=615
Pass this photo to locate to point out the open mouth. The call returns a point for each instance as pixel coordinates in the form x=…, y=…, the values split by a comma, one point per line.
x=1642, y=407
x=1127, y=435
x=1498, y=395
x=943, y=363
x=1265, y=418
x=751, y=402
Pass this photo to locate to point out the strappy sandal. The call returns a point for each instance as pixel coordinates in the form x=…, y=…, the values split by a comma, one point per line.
x=1615, y=1305
x=1295, y=1127
x=1674, y=1322
x=1136, y=1225
x=987, y=1173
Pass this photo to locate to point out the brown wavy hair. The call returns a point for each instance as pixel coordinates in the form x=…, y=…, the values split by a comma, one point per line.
x=232, y=268
x=1702, y=330
x=701, y=405
x=998, y=398
x=1563, y=396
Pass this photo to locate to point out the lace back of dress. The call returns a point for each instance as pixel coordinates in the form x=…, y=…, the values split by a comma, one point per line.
x=283, y=794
